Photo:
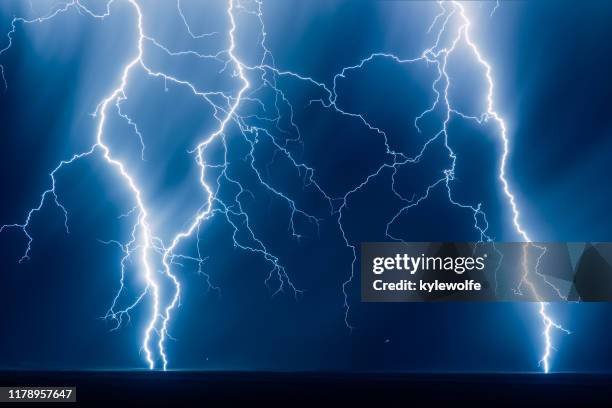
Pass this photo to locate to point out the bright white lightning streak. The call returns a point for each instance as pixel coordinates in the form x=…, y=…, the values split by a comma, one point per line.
x=209, y=205
x=463, y=32
x=145, y=238
x=547, y=320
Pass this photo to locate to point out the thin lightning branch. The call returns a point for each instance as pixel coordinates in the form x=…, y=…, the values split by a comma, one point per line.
x=194, y=36
x=495, y=7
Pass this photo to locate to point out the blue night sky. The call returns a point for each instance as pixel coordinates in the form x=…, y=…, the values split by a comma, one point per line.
x=550, y=62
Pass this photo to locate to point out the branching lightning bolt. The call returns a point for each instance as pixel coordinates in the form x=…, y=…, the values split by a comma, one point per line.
x=438, y=55
x=252, y=79
x=142, y=239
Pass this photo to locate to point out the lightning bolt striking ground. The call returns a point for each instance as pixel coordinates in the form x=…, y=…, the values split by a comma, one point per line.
x=438, y=54
x=491, y=114
x=451, y=19
x=142, y=239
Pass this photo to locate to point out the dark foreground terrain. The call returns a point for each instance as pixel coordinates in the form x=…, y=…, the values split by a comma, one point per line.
x=211, y=389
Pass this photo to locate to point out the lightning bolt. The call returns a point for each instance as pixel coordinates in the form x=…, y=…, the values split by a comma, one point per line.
x=548, y=322
x=142, y=240
x=438, y=55
x=253, y=79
